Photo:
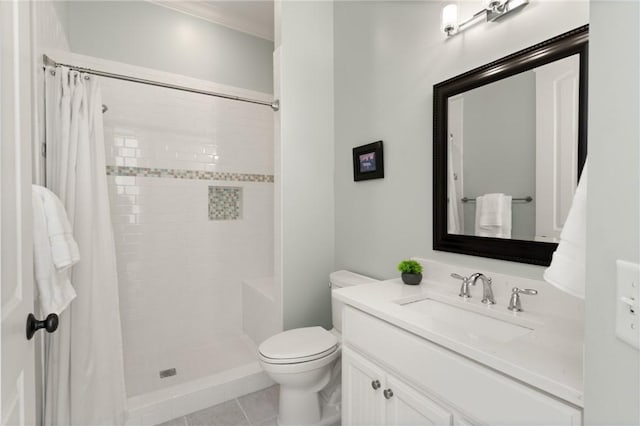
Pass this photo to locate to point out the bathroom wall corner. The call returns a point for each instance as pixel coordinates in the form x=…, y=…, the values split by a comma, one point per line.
x=307, y=160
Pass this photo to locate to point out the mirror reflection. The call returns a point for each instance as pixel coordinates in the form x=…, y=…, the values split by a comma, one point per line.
x=513, y=153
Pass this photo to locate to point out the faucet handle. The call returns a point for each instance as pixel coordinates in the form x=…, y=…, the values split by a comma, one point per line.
x=514, y=301
x=464, y=288
x=527, y=291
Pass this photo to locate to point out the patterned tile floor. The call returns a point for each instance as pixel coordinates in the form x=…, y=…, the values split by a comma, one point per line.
x=255, y=409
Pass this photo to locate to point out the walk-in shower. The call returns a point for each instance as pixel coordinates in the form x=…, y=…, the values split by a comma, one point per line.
x=191, y=191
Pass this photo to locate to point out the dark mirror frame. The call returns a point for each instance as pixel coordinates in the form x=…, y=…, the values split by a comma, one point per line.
x=532, y=252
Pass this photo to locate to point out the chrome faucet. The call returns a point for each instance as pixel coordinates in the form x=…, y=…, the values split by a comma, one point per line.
x=464, y=288
x=487, y=291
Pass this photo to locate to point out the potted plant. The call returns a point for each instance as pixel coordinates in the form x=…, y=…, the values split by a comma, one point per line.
x=411, y=272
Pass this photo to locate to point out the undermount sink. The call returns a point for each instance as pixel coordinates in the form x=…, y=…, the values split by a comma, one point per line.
x=474, y=325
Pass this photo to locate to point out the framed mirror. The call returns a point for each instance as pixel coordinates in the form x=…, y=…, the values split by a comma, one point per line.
x=509, y=144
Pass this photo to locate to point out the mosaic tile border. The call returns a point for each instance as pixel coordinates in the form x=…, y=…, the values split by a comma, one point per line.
x=187, y=174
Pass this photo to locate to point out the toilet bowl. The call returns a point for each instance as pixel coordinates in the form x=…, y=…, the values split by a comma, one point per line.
x=301, y=361
x=306, y=364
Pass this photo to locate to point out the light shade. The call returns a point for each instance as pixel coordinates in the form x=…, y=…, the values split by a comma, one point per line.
x=450, y=18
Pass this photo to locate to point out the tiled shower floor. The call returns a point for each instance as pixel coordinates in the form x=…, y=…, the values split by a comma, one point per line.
x=255, y=409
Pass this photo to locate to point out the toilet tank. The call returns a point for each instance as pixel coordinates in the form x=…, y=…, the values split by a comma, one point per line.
x=340, y=279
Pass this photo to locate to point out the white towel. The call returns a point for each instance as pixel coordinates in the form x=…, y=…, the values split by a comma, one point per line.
x=567, y=269
x=493, y=216
x=54, y=252
x=64, y=249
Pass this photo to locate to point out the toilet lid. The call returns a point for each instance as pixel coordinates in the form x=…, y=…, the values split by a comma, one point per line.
x=297, y=345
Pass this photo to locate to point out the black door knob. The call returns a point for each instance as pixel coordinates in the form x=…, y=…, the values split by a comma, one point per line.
x=50, y=324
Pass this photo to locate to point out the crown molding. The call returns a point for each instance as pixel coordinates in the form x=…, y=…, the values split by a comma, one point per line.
x=204, y=10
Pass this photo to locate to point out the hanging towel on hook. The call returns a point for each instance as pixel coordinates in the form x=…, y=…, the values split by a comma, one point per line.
x=54, y=251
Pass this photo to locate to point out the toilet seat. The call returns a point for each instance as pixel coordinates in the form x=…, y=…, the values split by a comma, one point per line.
x=298, y=346
x=298, y=360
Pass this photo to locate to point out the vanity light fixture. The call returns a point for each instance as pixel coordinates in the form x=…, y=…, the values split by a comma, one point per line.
x=450, y=19
x=493, y=9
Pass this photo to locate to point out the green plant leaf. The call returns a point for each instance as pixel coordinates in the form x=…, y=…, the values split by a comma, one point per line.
x=410, y=267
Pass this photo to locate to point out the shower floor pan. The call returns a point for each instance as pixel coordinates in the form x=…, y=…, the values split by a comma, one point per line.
x=241, y=377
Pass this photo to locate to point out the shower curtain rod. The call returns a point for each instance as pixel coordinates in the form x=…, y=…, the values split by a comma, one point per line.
x=275, y=105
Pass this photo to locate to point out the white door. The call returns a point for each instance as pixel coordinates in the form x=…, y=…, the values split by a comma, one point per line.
x=16, y=297
x=362, y=387
x=557, y=96
x=408, y=407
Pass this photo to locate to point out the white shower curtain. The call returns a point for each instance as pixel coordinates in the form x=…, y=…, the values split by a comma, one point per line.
x=454, y=224
x=84, y=374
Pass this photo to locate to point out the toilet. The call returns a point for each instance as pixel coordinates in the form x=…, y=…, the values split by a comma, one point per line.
x=305, y=362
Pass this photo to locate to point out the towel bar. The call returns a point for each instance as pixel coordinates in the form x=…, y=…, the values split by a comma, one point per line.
x=526, y=199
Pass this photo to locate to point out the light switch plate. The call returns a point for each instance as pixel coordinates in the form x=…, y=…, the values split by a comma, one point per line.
x=628, y=303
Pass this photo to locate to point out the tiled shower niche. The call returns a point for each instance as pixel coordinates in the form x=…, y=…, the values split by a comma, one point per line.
x=225, y=203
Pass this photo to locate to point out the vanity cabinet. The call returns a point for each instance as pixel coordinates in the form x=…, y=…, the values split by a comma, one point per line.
x=430, y=384
x=379, y=398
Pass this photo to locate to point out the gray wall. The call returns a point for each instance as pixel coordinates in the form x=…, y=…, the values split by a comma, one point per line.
x=501, y=157
x=305, y=176
x=144, y=34
x=388, y=56
x=612, y=368
x=61, y=10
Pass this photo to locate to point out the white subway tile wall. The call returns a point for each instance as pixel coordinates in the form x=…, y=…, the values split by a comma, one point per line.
x=180, y=273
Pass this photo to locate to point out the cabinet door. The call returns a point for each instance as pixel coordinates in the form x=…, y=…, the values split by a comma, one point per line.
x=408, y=407
x=362, y=385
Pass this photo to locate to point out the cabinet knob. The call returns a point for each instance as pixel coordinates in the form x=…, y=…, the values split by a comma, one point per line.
x=388, y=393
x=375, y=384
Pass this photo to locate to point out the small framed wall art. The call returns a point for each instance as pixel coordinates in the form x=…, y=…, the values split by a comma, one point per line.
x=368, y=162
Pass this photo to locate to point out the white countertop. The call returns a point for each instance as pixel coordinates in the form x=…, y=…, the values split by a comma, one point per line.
x=548, y=358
